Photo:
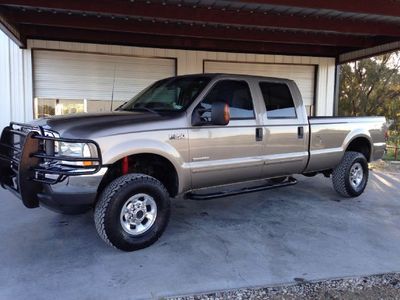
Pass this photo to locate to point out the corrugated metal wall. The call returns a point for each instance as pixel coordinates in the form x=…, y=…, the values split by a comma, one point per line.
x=5, y=89
x=189, y=62
x=15, y=82
x=16, y=70
x=73, y=75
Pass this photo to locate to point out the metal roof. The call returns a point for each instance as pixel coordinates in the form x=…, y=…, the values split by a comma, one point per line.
x=298, y=27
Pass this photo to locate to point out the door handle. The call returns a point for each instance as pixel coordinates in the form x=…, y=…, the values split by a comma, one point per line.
x=300, y=132
x=259, y=134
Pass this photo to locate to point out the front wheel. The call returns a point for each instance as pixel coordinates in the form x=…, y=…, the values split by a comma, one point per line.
x=132, y=212
x=350, y=177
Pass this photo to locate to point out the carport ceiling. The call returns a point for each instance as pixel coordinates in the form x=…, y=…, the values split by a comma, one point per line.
x=299, y=27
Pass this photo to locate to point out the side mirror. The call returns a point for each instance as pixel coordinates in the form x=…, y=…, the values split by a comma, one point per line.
x=220, y=113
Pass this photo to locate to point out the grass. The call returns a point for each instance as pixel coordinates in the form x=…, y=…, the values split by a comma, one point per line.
x=389, y=155
x=393, y=140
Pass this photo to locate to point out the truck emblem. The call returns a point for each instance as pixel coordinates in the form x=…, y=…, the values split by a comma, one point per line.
x=176, y=136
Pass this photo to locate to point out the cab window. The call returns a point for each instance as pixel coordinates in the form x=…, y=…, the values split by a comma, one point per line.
x=278, y=100
x=233, y=92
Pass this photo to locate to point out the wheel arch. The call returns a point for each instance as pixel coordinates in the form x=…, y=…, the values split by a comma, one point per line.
x=359, y=142
x=174, y=156
x=148, y=163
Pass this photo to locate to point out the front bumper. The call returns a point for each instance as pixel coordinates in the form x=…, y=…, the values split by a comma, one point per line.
x=73, y=194
x=30, y=168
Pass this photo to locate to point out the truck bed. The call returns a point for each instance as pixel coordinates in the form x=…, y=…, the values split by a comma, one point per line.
x=331, y=136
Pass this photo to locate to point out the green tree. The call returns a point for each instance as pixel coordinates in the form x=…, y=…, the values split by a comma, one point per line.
x=371, y=87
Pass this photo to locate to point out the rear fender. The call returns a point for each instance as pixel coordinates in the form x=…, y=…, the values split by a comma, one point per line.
x=354, y=134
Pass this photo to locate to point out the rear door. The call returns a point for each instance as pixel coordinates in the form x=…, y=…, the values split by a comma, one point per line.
x=230, y=153
x=285, y=128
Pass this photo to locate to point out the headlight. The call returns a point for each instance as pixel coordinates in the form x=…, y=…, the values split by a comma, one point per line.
x=77, y=150
x=73, y=149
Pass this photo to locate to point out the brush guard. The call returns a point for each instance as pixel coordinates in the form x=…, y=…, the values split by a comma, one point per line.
x=28, y=161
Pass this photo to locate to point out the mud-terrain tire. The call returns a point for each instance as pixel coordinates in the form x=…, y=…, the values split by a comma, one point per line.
x=350, y=177
x=127, y=200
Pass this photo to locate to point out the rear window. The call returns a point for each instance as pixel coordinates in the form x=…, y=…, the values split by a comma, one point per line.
x=278, y=100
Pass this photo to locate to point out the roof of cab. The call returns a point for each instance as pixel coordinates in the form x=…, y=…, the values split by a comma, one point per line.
x=243, y=76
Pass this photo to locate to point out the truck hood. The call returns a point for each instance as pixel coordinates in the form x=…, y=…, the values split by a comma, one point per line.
x=86, y=125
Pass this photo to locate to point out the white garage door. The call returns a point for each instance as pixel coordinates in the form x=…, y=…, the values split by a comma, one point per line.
x=303, y=75
x=85, y=82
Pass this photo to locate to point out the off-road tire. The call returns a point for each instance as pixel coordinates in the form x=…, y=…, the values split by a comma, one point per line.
x=341, y=175
x=108, y=210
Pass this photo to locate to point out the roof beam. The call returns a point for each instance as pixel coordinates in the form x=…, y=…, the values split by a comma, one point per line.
x=175, y=42
x=205, y=15
x=369, y=52
x=11, y=31
x=377, y=7
x=162, y=28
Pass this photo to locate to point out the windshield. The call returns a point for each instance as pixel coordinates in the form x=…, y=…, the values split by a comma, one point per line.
x=168, y=95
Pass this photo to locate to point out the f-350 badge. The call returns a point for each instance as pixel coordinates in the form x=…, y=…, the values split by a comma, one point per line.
x=176, y=136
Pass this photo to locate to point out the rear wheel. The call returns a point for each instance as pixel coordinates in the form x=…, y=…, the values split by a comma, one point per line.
x=350, y=177
x=132, y=212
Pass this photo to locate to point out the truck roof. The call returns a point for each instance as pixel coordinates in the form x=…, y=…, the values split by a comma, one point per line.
x=229, y=75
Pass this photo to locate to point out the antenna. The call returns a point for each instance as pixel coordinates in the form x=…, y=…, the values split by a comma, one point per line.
x=113, y=86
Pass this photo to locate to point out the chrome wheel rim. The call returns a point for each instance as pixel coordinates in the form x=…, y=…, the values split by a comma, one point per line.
x=356, y=175
x=138, y=214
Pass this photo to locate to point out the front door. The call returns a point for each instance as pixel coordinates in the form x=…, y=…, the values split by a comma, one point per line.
x=230, y=153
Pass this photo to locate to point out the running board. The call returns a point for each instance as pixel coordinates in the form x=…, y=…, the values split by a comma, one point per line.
x=195, y=196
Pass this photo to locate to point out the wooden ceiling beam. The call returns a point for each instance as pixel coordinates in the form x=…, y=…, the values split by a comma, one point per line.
x=213, y=15
x=176, y=42
x=374, y=7
x=187, y=30
x=11, y=30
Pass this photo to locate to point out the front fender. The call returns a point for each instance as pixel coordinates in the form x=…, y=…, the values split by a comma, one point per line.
x=114, y=148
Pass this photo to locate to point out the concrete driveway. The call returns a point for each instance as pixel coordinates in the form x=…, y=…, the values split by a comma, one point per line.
x=305, y=231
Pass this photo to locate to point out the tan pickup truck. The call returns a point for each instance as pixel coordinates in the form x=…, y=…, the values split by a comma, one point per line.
x=178, y=137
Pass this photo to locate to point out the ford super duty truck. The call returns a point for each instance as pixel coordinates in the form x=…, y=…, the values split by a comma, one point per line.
x=178, y=137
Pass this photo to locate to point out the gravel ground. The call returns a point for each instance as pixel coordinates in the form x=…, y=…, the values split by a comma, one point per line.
x=384, y=286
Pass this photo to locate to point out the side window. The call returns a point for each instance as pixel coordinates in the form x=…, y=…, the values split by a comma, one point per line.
x=278, y=100
x=233, y=92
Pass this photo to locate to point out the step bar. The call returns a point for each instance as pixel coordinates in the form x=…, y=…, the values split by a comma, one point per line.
x=245, y=190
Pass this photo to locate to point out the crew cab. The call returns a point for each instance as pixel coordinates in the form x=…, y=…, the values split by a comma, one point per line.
x=181, y=136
